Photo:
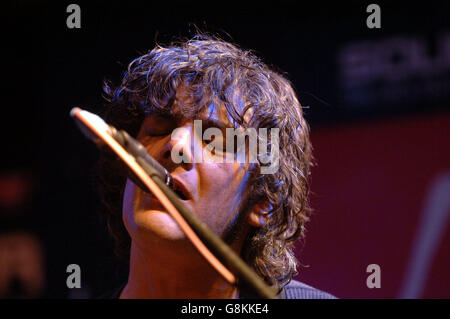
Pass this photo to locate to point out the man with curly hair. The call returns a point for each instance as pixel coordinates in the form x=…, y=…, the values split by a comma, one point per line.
x=259, y=215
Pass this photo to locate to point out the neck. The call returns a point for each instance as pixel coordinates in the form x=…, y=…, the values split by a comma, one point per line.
x=173, y=275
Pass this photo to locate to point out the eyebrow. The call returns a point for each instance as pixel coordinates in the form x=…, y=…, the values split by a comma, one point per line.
x=206, y=122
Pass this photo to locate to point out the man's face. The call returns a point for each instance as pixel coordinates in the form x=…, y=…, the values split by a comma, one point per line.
x=215, y=192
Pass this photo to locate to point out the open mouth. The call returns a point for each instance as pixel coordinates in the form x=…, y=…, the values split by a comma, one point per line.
x=179, y=189
x=180, y=194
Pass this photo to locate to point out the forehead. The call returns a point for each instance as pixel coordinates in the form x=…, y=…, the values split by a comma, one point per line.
x=218, y=114
x=184, y=110
x=186, y=104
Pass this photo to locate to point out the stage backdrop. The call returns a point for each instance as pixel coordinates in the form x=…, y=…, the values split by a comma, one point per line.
x=381, y=196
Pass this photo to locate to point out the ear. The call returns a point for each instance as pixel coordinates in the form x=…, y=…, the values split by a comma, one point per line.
x=259, y=214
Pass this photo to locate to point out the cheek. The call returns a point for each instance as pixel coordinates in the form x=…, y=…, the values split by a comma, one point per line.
x=143, y=223
x=230, y=180
x=222, y=190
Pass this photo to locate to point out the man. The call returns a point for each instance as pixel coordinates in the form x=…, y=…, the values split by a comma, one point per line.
x=259, y=215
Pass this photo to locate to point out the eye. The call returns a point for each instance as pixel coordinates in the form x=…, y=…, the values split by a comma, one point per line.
x=159, y=126
x=158, y=133
x=215, y=144
x=214, y=138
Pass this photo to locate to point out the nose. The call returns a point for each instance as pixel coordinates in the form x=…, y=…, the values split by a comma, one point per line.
x=179, y=149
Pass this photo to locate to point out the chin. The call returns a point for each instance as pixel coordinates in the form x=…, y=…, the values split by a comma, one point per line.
x=157, y=225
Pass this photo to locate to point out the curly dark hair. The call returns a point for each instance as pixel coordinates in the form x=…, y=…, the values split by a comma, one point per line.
x=221, y=73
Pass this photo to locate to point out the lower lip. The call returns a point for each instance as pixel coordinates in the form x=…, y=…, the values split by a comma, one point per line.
x=157, y=204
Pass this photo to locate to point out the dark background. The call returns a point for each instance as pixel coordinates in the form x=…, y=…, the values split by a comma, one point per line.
x=49, y=68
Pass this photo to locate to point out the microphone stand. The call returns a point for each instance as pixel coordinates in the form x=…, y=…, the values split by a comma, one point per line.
x=134, y=150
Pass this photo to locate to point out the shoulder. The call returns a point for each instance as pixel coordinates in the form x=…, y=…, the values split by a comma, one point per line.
x=294, y=290
x=298, y=290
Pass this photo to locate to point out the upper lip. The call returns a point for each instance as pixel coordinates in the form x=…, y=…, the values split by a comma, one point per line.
x=179, y=185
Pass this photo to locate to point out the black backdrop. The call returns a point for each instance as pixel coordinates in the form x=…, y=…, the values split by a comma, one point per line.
x=48, y=69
